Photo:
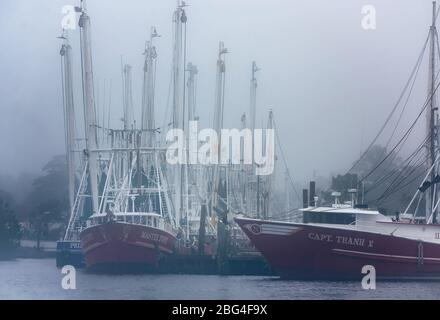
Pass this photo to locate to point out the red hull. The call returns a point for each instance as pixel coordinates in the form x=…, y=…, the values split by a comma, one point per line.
x=302, y=251
x=122, y=245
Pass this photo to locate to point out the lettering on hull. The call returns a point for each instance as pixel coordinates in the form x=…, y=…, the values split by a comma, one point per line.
x=346, y=240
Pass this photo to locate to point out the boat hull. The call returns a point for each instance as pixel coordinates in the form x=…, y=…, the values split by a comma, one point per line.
x=124, y=247
x=302, y=251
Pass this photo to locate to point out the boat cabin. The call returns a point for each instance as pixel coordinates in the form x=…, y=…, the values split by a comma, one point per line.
x=140, y=218
x=339, y=214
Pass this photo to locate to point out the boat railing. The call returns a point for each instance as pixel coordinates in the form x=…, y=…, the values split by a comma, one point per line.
x=137, y=219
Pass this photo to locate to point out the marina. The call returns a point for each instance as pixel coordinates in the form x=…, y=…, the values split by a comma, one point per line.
x=136, y=201
x=221, y=151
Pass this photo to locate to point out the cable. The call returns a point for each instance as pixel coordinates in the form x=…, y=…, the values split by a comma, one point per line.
x=406, y=103
x=392, y=186
x=406, y=133
x=406, y=162
x=402, y=187
x=285, y=162
x=394, y=108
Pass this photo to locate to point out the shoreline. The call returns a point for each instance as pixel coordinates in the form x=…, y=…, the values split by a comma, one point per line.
x=26, y=253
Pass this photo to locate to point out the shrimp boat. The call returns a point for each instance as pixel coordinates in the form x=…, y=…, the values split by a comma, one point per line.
x=127, y=240
x=324, y=249
x=122, y=214
x=338, y=241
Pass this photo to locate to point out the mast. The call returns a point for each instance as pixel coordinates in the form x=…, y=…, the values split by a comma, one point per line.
x=219, y=104
x=128, y=98
x=89, y=108
x=190, y=115
x=432, y=120
x=270, y=178
x=252, y=198
x=191, y=85
x=253, y=93
x=69, y=115
x=148, y=121
x=179, y=20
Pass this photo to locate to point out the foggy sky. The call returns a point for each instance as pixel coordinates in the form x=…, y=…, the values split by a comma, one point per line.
x=330, y=83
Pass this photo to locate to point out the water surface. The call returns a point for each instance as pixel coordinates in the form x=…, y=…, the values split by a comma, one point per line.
x=40, y=279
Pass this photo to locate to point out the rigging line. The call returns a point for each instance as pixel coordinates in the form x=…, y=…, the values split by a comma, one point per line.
x=395, y=185
x=406, y=133
x=406, y=102
x=391, y=161
x=406, y=162
x=378, y=200
x=284, y=160
x=407, y=168
x=422, y=110
x=394, y=108
x=412, y=86
x=413, y=169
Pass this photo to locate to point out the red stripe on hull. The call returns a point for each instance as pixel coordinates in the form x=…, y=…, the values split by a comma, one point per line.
x=302, y=251
x=125, y=244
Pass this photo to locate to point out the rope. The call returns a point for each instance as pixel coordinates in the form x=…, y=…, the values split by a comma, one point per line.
x=285, y=162
x=406, y=133
x=406, y=162
x=394, y=108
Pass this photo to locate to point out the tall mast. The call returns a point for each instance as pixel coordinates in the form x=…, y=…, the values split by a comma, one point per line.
x=270, y=178
x=128, y=98
x=252, y=198
x=148, y=121
x=179, y=20
x=190, y=171
x=432, y=115
x=89, y=110
x=219, y=104
x=219, y=89
x=253, y=100
x=191, y=85
x=69, y=115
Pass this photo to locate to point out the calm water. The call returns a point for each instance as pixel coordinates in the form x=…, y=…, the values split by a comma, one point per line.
x=40, y=279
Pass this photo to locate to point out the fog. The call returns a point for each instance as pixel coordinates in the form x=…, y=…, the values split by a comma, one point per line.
x=330, y=83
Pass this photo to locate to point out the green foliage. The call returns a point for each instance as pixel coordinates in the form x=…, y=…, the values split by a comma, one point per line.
x=49, y=193
x=9, y=227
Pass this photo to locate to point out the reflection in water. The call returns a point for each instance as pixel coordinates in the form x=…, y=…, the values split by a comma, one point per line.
x=40, y=279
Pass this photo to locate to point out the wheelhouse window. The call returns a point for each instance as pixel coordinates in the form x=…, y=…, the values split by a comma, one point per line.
x=328, y=217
